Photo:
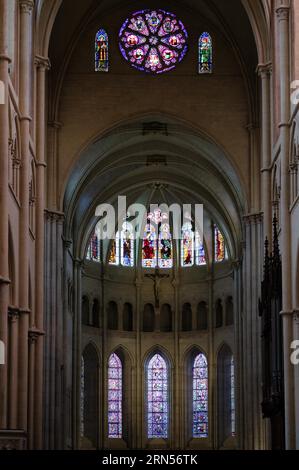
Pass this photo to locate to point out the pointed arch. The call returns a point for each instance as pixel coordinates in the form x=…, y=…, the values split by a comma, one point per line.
x=101, y=51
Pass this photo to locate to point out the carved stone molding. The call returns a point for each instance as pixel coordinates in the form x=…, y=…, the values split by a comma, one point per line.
x=283, y=13
x=26, y=6
x=255, y=218
x=34, y=334
x=296, y=317
x=13, y=314
x=12, y=440
x=54, y=216
x=42, y=63
x=264, y=70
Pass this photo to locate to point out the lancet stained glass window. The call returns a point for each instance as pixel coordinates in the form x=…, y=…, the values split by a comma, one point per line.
x=205, y=54
x=127, y=245
x=200, y=255
x=157, y=398
x=220, y=250
x=157, y=246
x=114, y=251
x=165, y=247
x=200, y=397
x=101, y=51
x=115, y=397
x=93, y=250
x=153, y=41
x=187, y=245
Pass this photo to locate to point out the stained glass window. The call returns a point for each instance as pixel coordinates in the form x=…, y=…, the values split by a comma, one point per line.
x=205, y=54
x=157, y=398
x=187, y=245
x=127, y=245
x=219, y=245
x=94, y=249
x=232, y=397
x=101, y=51
x=200, y=397
x=153, y=41
x=114, y=251
x=200, y=255
x=165, y=247
x=149, y=247
x=114, y=397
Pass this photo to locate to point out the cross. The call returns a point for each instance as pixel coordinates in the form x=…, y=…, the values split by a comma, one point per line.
x=157, y=277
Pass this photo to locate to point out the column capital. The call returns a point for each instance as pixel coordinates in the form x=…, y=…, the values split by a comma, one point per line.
x=42, y=63
x=13, y=314
x=34, y=334
x=264, y=70
x=26, y=6
x=283, y=12
x=54, y=215
x=55, y=124
x=296, y=316
x=253, y=218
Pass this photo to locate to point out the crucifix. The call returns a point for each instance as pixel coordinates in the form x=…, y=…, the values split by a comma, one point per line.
x=157, y=278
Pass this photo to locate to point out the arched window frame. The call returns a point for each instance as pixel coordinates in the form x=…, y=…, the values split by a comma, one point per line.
x=115, y=397
x=205, y=53
x=158, y=392
x=196, y=250
x=200, y=396
x=101, y=51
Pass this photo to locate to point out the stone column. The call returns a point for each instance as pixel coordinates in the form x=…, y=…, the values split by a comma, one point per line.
x=178, y=427
x=26, y=8
x=284, y=68
x=250, y=355
x=265, y=72
x=296, y=368
x=77, y=353
x=4, y=271
x=42, y=65
x=13, y=369
x=138, y=434
x=53, y=352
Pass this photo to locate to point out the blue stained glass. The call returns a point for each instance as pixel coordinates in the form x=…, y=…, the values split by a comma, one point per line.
x=200, y=397
x=165, y=247
x=114, y=397
x=127, y=245
x=205, y=53
x=101, y=51
x=157, y=398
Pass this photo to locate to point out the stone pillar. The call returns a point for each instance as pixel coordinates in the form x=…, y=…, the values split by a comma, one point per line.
x=13, y=369
x=42, y=65
x=4, y=271
x=139, y=401
x=296, y=369
x=250, y=355
x=178, y=416
x=284, y=73
x=265, y=72
x=77, y=347
x=26, y=8
x=54, y=358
